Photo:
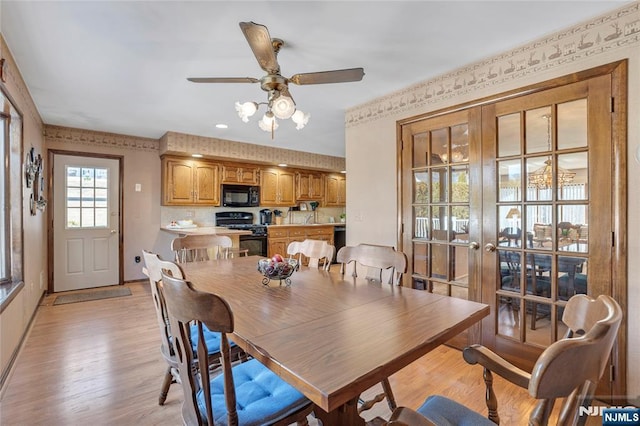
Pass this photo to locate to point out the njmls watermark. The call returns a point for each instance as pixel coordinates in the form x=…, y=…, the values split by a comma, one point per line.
x=614, y=415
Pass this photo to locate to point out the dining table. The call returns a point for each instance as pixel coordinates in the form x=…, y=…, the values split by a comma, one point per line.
x=331, y=336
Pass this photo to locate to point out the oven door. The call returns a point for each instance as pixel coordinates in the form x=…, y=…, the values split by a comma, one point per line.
x=256, y=244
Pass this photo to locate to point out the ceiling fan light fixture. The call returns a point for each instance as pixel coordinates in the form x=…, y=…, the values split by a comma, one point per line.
x=300, y=118
x=268, y=122
x=246, y=110
x=283, y=107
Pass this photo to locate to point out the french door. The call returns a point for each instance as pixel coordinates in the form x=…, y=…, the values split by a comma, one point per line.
x=441, y=186
x=516, y=203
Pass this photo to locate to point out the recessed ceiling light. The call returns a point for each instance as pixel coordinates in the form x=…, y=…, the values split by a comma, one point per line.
x=197, y=155
x=282, y=165
x=222, y=126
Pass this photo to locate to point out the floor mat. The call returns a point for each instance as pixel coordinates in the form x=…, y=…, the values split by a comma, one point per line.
x=92, y=295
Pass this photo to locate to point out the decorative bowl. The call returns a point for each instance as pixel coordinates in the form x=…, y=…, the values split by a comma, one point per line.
x=273, y=270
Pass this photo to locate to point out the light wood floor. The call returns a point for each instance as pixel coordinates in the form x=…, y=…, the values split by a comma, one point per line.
x=98, y=363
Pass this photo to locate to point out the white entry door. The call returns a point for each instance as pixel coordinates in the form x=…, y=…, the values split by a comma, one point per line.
x=86, y=224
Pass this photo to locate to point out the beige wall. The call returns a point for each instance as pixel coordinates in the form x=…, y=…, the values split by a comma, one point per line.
x=371, y=131
x=15, y=318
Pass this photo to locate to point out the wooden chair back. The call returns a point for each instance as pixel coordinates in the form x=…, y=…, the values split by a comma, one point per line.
x=185, y=306
x=153, y=269
x=192, y=248
x=319, y=252
x=376, y=259
x=571, y=367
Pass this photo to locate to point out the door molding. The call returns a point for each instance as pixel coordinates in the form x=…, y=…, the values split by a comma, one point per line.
x=51, y=153
x=619, y=280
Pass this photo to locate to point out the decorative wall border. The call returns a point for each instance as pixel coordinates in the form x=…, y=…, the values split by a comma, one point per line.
x=103, y=139
x=181, y=143
x=617, y=29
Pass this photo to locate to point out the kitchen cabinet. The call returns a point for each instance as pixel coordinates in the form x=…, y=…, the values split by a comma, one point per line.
x=280, y=236
x=335, y=194
x=277, y=188
x=240, y=174
x=309, y=186
x=190, y=182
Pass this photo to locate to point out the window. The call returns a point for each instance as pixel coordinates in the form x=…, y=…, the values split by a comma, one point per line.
x=11, y=260
x=87, y=197
x=5, y=269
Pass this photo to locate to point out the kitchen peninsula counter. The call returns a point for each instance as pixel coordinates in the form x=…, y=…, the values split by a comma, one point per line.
x=207, y=230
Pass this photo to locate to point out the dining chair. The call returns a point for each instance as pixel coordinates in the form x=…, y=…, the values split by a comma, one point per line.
x=569, y=368
x=153, y=269
x=243, y=394
x=376, y=259
x=319, y=252
x=192, y=248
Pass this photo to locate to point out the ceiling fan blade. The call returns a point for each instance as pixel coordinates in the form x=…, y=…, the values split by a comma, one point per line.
x=322, y=77
x=259, y=40
x=223, y=80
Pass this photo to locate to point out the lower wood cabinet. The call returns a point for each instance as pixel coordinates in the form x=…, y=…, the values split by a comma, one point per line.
x=279, y=237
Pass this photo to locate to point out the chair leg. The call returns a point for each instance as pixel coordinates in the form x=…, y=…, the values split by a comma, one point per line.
x=391, y=400
x=166, y=383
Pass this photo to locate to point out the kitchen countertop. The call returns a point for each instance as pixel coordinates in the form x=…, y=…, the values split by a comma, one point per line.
x=206, y=230
x=307, y=224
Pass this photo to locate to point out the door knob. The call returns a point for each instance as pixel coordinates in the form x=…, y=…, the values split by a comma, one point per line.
x=473, y=245
x=113, y=231
x=489, y=248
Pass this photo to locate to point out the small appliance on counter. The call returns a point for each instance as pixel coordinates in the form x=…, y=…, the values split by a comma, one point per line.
x=266, y=217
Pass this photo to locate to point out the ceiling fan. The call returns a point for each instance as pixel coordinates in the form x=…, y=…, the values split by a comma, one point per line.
x=280, y=102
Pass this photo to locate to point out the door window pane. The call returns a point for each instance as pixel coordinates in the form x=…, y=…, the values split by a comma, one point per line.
x=538, y=131
x=573, y=179
x=439, y=185
x=460, y=143
x=439, y=146
x=87, y=201
x=572, y=276
x=509, y=180
x=421, y=187
x=509, y=135
x=420, y=150
x=572, y=124
x=539, y=178
x=460, y=184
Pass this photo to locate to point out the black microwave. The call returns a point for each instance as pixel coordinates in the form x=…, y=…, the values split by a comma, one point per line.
x=240, y=196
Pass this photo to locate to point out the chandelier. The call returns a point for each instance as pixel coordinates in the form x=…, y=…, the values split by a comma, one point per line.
x=542, y=178
x=279, y=106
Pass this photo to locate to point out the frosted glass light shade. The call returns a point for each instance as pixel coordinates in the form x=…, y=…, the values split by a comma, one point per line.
x=268, y=122
x=283, y=107
x=246, y=110
x=300, y=118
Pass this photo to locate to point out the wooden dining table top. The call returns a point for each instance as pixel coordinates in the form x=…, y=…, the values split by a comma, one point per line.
x=331, y=336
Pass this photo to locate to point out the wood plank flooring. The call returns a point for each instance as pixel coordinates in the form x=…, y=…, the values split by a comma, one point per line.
x=99, y=363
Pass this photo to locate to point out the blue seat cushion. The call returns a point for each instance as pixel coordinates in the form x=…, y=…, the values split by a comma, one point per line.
x=445, y=412
x=261, y=396
x=211, y=338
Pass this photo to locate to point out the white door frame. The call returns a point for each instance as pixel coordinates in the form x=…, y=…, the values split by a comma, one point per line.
x=50, y=210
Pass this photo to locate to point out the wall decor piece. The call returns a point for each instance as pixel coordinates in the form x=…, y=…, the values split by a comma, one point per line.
x=35, y=180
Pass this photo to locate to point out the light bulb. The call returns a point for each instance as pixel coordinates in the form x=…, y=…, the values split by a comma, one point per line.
x=283, y=107
x=300, y=118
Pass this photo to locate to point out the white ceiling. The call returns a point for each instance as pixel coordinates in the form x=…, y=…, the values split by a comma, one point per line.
x=121, y=66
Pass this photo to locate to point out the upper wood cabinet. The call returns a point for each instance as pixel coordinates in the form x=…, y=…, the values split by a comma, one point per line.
x=309, y=186
x=190, y=182
x=335, y=193
x=277, y=187
x=243, y=174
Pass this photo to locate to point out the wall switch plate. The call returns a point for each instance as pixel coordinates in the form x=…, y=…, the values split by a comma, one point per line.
x=138, y=187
